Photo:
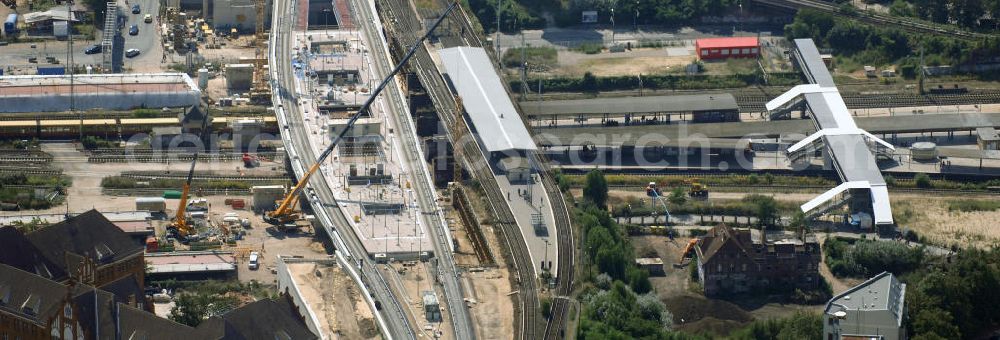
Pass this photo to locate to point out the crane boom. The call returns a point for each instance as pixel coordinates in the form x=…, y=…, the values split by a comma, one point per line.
x=284, y=210
x=179, y=221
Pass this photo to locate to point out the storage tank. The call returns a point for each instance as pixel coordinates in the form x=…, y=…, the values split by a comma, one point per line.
x=151, y=204
x=203, y=78
x=924, y=151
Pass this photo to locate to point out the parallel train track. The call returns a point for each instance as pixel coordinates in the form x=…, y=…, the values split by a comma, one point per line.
x=907, y=24
x=405, y=25
x=755, y=103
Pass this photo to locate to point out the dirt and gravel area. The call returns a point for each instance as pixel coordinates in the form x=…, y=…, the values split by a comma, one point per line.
x=334, y=300
x=694, y=312
x=490, y=298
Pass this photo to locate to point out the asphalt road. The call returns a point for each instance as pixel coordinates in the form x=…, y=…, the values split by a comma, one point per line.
x=321, y=197
x=147, y=41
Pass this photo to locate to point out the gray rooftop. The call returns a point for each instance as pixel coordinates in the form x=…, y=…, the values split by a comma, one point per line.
x=809, y=58
x=485, y=99
x=987, y=133
x=882, y=292
x=639, y=105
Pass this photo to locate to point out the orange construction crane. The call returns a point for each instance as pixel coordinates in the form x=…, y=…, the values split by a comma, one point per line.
x=285, y=212
x=180, y=224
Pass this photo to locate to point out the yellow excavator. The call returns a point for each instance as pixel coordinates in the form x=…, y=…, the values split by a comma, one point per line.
x=285, y=211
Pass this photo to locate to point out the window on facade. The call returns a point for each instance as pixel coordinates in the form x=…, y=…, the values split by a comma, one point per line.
x=719, y=268
x=753, y=50
x=746, y=51
x=704, y=52
x=736, y=51
x=715, y=51
x=725, y=51
x=744, y=267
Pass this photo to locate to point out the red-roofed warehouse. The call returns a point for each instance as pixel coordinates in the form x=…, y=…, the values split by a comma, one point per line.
x=722, y=48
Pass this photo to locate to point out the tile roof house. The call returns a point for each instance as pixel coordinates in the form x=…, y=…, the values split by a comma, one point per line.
x=83, y=278
x=733, y=261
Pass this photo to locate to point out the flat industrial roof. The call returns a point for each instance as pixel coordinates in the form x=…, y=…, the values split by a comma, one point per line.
x=727, y=42
x=882, y=292
x=622, y=105
x=188, y=262
x=987, y=134
x=485, y=99
x=97, y=83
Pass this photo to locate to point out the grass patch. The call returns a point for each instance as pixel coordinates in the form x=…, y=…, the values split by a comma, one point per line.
x=538, y=58
x=967, y=205
x=589, y=48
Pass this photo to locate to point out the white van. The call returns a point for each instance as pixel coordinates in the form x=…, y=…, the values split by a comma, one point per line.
x=254, y=261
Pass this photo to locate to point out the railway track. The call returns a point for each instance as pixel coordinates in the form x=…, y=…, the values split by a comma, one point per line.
x=29, y=171
x=755, y=103
x=403, y=27
x=163, y=158
x=205, y=177
x=770, y=188
x=556, y=326
x=907, y=24
x=157, y=192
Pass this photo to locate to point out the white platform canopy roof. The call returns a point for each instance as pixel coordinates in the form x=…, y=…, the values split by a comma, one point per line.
x=486, y=101
x=845, y=141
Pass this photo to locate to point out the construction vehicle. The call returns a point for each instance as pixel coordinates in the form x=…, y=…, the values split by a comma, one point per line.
x=688, y=249
x=653, y=191
x=696, y=189
x=250, y=161
x=285, y=214
x=180, y=225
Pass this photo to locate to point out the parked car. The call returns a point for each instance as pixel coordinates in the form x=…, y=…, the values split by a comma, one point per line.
x=147, y=19
x=133, y=30
x=93, y=49
x=132, y=52
x=254, y=262
x=135, y=9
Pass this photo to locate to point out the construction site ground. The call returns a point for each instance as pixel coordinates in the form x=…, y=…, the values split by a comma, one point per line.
x=335, y=300
x=85, y=192
x=491, y=298
x=692, y=311
x=410, y=279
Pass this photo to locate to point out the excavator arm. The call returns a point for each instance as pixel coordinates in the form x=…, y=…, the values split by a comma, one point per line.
x=284, y=213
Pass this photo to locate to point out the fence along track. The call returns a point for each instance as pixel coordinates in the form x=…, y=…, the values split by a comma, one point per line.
x=461, y=204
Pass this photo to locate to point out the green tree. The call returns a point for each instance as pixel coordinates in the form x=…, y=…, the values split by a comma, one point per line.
x=589, y=82
x=596, y=189
x=967, y=12
x=638, y=280
x=189, y=309
x=677, y=196
x=922, y=180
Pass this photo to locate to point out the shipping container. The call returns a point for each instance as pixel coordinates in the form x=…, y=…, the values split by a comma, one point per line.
x=151, y=204
x=10, y=25
x=51, y=70
x=174, y=194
